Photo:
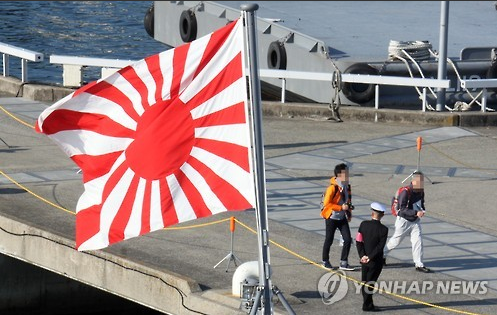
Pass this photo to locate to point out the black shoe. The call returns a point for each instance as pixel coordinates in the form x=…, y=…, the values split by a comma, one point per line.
x=326, y=264
x=371, y=309
x=423, y=269
x=384, y=261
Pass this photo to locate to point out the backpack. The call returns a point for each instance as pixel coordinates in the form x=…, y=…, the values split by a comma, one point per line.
x=394, y=207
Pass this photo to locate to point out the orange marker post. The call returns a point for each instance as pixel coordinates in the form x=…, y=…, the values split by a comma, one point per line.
x=419, y=143
x=232, y=224
x=231, y=256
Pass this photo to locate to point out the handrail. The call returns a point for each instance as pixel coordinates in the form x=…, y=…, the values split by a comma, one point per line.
x=78, y=62
x=357, y=78
x=25, y=55
x=87, y=61
x=72, y=67
x=482, y=84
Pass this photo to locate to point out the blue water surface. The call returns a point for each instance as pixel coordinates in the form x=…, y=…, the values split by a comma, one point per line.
x=97, y=29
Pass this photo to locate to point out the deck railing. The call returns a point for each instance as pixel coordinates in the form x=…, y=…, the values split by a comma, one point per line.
x=481, y=84
x=25, y=55
x=73, y=67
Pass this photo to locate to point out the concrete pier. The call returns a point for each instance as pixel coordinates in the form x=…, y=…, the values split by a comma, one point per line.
x=172, y=271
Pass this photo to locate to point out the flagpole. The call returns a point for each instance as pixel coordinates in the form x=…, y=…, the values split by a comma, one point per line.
x=261, y=206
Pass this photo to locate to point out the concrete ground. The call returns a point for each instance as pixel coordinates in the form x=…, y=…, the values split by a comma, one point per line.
x=301, y=151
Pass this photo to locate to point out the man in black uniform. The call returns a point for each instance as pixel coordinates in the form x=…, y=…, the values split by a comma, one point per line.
x=370, y=241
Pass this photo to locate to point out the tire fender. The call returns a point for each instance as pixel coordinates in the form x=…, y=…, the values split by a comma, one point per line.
x=148, y=21
x=188, y=26
x=359, y=92
x=276, y=56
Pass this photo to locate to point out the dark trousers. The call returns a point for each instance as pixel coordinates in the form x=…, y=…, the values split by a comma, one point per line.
x=370, y=273
x=331, y=226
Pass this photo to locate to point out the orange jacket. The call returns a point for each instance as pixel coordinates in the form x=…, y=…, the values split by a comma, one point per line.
x=332, y=198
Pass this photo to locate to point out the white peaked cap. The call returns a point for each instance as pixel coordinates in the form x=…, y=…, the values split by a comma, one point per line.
x=376, y=206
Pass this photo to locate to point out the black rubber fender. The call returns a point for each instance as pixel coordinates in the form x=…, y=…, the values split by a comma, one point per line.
x=148, y=21
x=276, y=56
x=492, y=73
x=359, y=92
x=188, y=26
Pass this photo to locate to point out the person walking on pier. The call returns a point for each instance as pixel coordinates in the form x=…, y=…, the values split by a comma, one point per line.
x=337, y=212
x=411, y=210
x=370, y=241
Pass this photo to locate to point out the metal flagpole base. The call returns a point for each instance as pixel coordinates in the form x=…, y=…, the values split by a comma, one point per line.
x=277, y=292
x=230, y=257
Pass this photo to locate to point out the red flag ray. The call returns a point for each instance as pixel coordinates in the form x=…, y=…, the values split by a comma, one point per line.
x=163, y=212
x=163, y=141
x=95, y=165
x=231, y=152
x=193, y=191
x=64, y=120
x=227, y=170
x=222, y=188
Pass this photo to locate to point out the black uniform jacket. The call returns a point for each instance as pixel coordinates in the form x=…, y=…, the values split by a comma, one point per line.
x=374, y=237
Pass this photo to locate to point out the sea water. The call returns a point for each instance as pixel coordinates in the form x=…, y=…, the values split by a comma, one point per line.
x=96, y=29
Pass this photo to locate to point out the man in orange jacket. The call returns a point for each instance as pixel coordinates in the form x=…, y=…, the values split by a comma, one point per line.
x=337, y=212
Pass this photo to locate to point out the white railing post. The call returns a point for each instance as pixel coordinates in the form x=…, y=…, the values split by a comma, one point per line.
x=24, y=70
x=5, y=65
x=283, y=89
x=377, y=96
x=424, y=99
x=484, y=100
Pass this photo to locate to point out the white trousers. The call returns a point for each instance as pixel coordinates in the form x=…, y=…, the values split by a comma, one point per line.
x=402, y=229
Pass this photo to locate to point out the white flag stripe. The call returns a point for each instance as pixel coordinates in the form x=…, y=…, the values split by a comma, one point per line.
x=88, y=103
x=184, y=210
x=97, y=241
x=107, y=215
x=166, y=67
x=134, y=225
x=156, y=221
x=114, y=201
x=48, y=111
x=235, y=133
x=93, y=193
x=143, y=72
x=229, y=171
x=226, y=53
x=75, y=142
x=211, y=200
x=228, y=97
x=92, y=197
x=123, y=85
x=193, y=58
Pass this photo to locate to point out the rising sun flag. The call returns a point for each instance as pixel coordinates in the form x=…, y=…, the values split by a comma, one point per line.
x=160, y=142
